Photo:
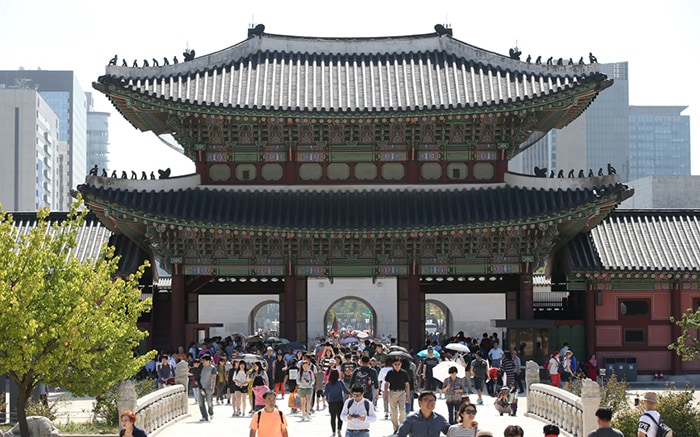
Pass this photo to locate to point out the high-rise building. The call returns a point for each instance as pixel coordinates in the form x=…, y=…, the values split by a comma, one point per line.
x=97, y=136
x=659, y=141
x=29, y=146
x=65, y=96
x=599, y=137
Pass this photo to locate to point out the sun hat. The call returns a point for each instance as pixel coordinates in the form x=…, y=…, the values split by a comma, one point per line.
x=651, y=397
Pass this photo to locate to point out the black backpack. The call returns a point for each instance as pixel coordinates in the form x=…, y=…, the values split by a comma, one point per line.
x=350, y=403
x=662, y=430
x=260, y=413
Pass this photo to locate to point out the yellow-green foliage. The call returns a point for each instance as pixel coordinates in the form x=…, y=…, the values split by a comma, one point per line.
x=65, y=322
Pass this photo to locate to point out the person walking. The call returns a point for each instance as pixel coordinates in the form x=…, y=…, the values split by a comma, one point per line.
x=604, y=418
x=425, y=422
x=305, y=382
x=127, y=422
x=239, y=387
x=268, y=422
x=358, y=413
x=207, y=383
x=479, y=372
x=454, y=389
x=334, y=392
x=396, y=391
x=513, y=431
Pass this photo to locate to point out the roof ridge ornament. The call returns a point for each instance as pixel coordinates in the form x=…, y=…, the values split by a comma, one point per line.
x=256, y=31
x=443, y=30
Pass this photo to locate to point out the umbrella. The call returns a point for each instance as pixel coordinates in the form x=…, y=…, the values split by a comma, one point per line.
x=398, y=348
x=254, y=339
x=272, y=340
x=459, y=347
x=249, y=358
x=441, y=371
x=348, y=340
x=400, y=354
x=295, y=345
x=424, y=353
x=362, y=334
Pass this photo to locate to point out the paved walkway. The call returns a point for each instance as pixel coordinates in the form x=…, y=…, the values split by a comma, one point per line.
x=224, y=425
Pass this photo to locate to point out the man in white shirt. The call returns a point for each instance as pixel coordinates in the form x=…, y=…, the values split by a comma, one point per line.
x=357, y=413
x=649, y=420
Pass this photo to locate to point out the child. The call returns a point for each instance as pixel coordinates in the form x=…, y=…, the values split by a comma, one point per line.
x=513, y=398
x=259, y=389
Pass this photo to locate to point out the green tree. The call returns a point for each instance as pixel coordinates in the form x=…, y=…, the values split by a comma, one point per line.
x=65, y=322
x=687, y=346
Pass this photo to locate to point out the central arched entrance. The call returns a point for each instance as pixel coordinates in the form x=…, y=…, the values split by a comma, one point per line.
x=349, y=315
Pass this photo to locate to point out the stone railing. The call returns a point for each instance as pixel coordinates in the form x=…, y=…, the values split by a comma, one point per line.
x=157, y=409
x=573, y=415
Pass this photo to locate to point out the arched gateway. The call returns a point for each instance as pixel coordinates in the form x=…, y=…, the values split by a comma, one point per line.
x=351, y=158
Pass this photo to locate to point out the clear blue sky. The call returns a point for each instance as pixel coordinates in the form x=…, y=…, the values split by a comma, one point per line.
x=660, y=40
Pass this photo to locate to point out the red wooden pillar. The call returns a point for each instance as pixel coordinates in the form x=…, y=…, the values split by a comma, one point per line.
x=676, y=331
x=527, y=311
x=589, y=321
x=177, y=308
x=288, y=316
x=416, y=313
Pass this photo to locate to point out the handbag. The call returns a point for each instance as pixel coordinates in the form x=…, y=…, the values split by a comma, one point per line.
x=453, y=398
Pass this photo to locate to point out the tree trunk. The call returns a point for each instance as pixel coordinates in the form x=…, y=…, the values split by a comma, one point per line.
x=23, y=395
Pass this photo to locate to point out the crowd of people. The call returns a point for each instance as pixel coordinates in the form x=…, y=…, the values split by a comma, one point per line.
x=357, y=381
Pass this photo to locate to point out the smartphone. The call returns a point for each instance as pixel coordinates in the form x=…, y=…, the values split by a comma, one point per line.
x=636, y=402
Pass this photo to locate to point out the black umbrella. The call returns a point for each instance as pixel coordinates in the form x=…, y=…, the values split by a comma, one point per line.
x=400, y=355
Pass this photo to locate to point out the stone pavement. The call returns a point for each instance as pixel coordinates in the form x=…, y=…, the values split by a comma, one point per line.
x=224, y=425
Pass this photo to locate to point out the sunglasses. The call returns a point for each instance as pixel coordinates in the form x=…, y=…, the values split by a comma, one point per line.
x=470, y=411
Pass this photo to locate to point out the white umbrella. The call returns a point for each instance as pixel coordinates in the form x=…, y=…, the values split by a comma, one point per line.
x=361, y=334
x=441, y=371
x=459, y=347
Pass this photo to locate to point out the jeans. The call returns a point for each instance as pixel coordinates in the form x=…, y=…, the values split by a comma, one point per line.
x=452, y=409
x=351, y=433
x=207, y=397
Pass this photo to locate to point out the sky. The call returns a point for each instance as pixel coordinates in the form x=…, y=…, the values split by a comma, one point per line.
x=660, y=40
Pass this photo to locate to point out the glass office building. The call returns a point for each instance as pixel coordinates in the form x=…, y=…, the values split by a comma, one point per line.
x=659, y=141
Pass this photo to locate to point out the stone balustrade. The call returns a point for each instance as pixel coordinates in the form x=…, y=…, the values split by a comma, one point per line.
x=573, y=415
x=156, y=409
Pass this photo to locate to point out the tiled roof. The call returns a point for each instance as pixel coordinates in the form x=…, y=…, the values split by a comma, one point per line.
x=646, y=240
x=89, y=239
x=346, y=210
x=409, y=73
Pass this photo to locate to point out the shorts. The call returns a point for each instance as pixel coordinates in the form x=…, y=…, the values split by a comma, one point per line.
x=478, y=383
x=240, y=389
x=566, y=376
x=305, y=392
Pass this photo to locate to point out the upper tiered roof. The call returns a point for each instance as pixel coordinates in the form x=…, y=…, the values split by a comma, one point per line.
x=292, y=75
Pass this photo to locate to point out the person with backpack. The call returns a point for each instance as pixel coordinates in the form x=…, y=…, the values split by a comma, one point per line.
x=358, y=413
x=366, y=376
x=479, y=372
x=650, y=423
x=268, y=422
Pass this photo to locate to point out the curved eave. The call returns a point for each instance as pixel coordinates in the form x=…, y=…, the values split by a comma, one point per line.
x=406, y=213
x=149, y=112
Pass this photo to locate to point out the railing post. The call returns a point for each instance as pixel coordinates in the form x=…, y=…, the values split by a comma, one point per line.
x=590, y=401
x=532, y=374
x=126, y=396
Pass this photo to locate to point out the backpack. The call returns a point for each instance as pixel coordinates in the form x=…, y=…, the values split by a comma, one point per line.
x=662, y=430
x=364, y=379
x=347, y=406
x=260, y=413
